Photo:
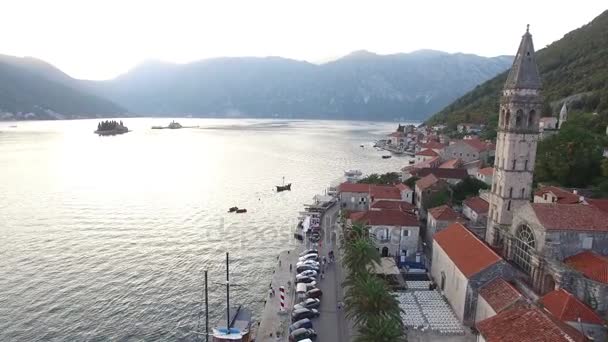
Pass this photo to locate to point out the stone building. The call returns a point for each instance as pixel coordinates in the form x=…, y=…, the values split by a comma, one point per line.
x=358, y=197
x=438, y=219
x=517, y=137
x=468, y=150
x=495, y=297
x=462, y=264
x=425, y=189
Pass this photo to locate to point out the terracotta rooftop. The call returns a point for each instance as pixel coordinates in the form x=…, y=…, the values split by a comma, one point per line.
x=526, y=324
x=384, y=192
x=487, y=171
x=499, y=294
x=426, y=182
x=592, y=265
x=466, y=251
x=433, y=145
x=403, y=187
x=441, y=173
x=353, y=187
x=386, y=218
x=393, y=205
x=477, y=144
x=427, y=153
x=451, y=164
x=563, y=196
x=444, y=213
x=600, y=203
x=579, y=217
x=568, y=308
x=477, y=204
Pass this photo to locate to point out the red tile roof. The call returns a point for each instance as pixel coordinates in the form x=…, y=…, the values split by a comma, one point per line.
x=444, y=213
x=433, y=145
x=403, y=187
x=386, y=218
x=477, y=144
x=427, y=153
x=579, y=217
x=384, y=192
x=426, y=182
x=441, y=173
x=477, y=204
x=393, y=205
x=592, y=265
x=487, y=171
x=600, y=203
x=466, y=251
x=451, y=164
x=568, y=308
x=353, y=187
x=526, y=324
x=563, y=196
x=499, y=294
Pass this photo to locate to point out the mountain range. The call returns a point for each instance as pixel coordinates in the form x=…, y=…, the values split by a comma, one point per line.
x=573, y=69
x=359, y=86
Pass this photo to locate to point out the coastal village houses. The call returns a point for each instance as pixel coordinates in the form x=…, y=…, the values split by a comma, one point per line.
x=426, y=188
x=438, y=219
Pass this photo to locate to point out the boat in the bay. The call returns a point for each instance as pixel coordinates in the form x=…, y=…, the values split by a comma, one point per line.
x=173, y=125
x=284, y=187
x=233, y=209
x=386, y=157
x=240, y=211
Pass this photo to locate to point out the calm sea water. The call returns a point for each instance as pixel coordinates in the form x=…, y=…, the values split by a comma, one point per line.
x=106, y=238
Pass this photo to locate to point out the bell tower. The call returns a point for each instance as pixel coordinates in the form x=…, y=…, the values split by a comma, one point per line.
x=517, y=137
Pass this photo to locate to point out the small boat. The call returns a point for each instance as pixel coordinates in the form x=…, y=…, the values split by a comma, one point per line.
x=386, y=157
x=240, y=211
x=362, y=146
x=284, y=187
x=233, y=209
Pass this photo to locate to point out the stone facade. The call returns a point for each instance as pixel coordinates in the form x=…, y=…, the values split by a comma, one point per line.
x=354, y=201
x=396, y=241
x=517, y=138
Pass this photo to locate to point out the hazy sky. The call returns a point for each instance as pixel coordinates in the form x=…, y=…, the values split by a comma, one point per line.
x=99, y=39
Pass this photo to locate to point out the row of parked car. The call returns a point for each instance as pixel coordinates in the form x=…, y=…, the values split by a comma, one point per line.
x=308, y=269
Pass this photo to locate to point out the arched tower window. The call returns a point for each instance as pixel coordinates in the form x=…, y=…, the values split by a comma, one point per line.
x=519, y=117
x=507, y=120
x=531, y=118
x=523, y=192
x=523, y=246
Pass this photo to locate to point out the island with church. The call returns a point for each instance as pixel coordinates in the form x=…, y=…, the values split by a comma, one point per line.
x=111, y=127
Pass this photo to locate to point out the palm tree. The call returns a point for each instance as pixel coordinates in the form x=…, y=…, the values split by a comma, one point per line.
x=380, y=329
x=368, y=296
x=359, y=254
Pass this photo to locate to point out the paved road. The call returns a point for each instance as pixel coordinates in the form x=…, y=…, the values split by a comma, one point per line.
x=331, y=326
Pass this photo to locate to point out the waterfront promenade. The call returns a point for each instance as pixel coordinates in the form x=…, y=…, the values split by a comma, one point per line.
x=331, y=325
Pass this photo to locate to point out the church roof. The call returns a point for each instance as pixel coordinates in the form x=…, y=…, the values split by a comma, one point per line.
x=575, y=217
x=592, y=265
x=524, y=72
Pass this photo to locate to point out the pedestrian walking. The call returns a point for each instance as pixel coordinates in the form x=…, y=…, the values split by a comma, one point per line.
x=269, y=292
x=290, y=267
x=279, y=262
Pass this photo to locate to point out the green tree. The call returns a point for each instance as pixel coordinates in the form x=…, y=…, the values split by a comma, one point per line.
x=368, y=296
x=384, y=179
x=467, y=187
x=359, y=254
x=381, y=329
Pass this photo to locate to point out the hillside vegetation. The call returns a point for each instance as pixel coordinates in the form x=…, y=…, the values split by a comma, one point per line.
x=573, y=68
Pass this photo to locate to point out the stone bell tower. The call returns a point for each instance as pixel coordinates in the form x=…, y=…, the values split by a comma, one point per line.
x=517, y=137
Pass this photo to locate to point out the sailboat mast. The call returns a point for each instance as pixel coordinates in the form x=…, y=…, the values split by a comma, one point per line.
x=206, y=310
x=227, y=295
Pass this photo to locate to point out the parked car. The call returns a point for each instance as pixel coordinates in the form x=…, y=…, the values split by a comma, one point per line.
x=297, y=315
x=314, y=293
x=302, y=334
x=308, y=273
x=305, y=280
x=310, y=303
x=309, y=251
x=307, y=262
x=303, y=323
x=311, y=256
x=303, y=268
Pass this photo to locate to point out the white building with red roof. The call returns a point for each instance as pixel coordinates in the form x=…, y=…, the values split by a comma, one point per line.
x=462, y=264
x=358, y=197
x=395, y=232
x=568, y=309
x=425, y=155
x=437, y=219
x=495, y=297
x=476, y=210
x=485, y=175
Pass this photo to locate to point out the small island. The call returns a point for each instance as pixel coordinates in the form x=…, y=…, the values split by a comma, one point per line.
x=173, y=125
x=111, y=127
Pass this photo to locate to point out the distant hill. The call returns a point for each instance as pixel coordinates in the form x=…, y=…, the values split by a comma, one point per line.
x=359, y=86
x=362, y=85
x=574, y=68
x=33, y=89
